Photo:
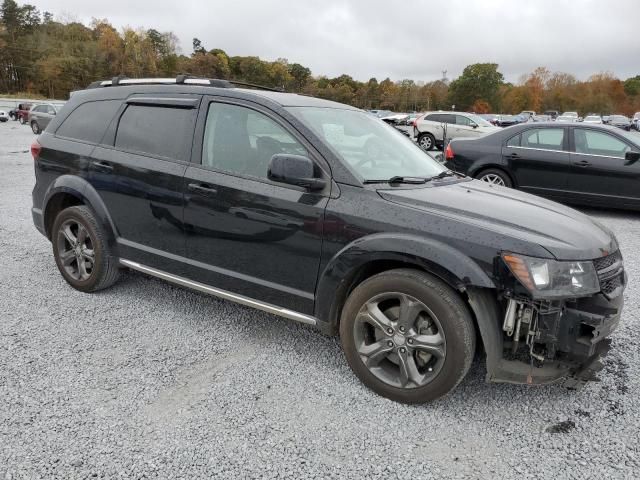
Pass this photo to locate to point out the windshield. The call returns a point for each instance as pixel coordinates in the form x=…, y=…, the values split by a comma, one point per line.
x=372, y=149
x=479, y=120
x=591, y=118
x=619, y=118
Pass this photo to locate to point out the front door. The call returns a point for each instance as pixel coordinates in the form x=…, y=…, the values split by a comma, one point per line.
x=539, y=160
x=247, y=234
x=599, y=172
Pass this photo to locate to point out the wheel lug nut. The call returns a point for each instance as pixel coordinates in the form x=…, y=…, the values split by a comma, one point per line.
x=402, y=329
x=410, y=341
x=390, y=331
x=390, y=343
x=403, y=350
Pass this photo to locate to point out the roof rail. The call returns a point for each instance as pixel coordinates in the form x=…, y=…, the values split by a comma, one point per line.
x=182, y=79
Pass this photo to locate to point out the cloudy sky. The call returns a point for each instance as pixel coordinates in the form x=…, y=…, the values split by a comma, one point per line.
x=414, y=39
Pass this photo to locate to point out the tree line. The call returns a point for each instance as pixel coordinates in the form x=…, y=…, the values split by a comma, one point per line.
x=42, y=56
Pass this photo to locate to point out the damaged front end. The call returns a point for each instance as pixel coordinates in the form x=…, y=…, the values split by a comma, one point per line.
x=560, y=334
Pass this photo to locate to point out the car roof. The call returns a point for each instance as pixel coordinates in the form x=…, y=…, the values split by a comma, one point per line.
x=282, y=99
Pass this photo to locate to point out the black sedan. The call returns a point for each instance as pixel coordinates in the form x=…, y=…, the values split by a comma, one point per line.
x=571, y=162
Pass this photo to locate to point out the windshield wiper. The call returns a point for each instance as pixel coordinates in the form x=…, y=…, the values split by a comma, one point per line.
x=412, y=180
x=399, y=179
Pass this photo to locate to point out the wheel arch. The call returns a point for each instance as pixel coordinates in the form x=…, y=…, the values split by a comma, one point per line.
x=70, y=190
x=377, y=253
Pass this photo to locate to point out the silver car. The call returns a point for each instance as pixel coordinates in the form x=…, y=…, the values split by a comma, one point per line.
x=41, y=115
x=430, y=129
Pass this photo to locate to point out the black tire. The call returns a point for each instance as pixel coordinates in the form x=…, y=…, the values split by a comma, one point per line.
x=495, y=176
x=104, y=270
x=35, y=128
x=426, y=141
x=453, y=319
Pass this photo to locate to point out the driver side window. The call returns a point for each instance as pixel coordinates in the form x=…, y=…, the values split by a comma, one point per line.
x=241, y=141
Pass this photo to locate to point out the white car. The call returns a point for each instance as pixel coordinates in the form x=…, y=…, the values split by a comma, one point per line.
x=592, y=119
x=567, y=118
x=430, y=129
x=4, y=117
x=635, y=122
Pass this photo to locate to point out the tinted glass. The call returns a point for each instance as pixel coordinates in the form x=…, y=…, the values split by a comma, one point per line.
x=514, y=141
x=242, y=141
x=372, y=149
x=441, y=118
x=51, y=110
x=460, y=120
x=89, y=121
x=544, y=138
x=37, y=109
x=599, y=143
x=159, y=131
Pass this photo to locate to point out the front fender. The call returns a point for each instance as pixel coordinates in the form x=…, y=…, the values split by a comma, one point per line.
x=85, y=193
x=434, y=256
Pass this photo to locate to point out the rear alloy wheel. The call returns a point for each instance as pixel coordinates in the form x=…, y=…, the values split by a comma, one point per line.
x=35, y=128
x=407, y=336
x=495, y=177
x=81, y=250
x=426, y=141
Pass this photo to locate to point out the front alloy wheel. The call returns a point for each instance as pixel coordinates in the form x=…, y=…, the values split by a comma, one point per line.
x=493, y=179
x=400, y=340
x=407, y=335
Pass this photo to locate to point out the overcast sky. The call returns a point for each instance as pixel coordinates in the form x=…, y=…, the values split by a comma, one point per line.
x=413, y=39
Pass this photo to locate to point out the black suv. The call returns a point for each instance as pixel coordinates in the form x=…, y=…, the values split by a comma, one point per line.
x=323, y=214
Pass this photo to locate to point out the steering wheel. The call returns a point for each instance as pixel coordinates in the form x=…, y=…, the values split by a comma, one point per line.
x=372, y=150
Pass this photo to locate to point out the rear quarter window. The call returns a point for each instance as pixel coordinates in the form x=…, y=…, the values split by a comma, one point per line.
x=156, y=130
x=89, y=121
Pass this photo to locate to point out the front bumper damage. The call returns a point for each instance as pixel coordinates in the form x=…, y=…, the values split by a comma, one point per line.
x=542, y=342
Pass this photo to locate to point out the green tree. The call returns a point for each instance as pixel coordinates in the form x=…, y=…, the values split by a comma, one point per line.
x=480, y=81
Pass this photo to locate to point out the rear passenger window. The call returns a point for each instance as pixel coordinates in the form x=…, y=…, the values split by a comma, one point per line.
x=514, y=141
x=157, y=131
x=89, y=121
x=544, y=138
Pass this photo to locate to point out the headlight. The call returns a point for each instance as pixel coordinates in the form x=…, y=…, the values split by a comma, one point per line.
x=546, y=278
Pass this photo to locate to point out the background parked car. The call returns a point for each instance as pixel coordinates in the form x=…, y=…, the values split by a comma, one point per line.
x=567, y=118
x=635, y=123
x=4, y=117
x=429, y=130
x=552, y=113
x=506, y=120
x=597, y=119
x=620, y=121
x=567, y=162
x=572, y=114
x=40, y=116
x=542, y=118
x=22, y=113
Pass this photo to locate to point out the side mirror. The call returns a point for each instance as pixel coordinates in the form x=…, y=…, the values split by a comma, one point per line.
x=473, y=125
x=294, y=170
x=631, y=157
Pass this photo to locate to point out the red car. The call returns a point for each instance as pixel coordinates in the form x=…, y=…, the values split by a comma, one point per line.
x=22, y=112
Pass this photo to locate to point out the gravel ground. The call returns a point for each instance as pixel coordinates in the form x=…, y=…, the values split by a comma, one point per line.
x=146, y=380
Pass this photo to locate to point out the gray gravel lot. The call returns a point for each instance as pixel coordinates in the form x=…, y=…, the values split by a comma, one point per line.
x=150, y=380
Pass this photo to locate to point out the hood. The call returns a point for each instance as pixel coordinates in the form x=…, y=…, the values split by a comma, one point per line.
x=489, y=129
x=564, y=232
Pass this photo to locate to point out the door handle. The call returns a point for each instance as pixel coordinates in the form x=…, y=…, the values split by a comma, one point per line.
x=104, y=166
x=202, y=189
x=514, y=156
x=582, y=163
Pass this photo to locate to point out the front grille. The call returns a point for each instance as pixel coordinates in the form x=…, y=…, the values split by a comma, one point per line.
x=603, y=263
x=610, y=272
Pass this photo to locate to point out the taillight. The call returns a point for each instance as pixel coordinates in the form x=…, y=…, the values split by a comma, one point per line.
x=448, y=154
x=35, y=149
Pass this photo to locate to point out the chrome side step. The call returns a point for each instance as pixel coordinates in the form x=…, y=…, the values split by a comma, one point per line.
x=201, y=287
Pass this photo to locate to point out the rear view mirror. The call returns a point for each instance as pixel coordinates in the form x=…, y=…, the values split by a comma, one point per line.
x=631, y=157
x=294, y=170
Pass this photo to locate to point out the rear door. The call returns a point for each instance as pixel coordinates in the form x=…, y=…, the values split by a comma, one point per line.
x=247, y=234
x=463, y=128
x=539, y=159
x=599, y=172
x=137, y=171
